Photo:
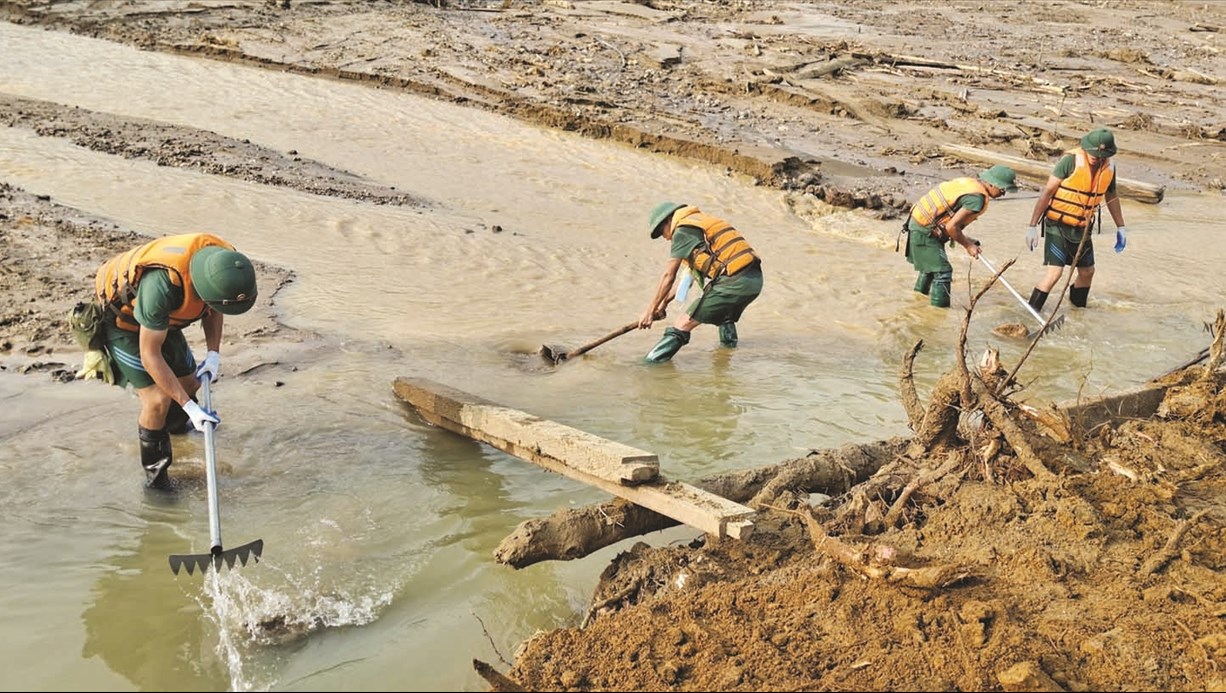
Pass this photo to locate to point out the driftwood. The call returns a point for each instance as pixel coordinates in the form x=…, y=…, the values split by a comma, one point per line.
x=829, y=67
x=574, y=533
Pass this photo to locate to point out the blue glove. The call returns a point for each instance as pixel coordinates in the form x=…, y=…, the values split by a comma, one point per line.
x=210, y=364
x=1121, y=239
x=1032, y=237
x=199, y=416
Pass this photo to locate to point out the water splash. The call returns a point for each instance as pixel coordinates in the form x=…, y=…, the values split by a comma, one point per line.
x=251, y=618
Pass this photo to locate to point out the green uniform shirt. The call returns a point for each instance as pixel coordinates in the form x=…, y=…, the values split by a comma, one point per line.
x=156, y=298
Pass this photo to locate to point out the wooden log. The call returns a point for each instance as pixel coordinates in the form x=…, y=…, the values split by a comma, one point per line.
x=572, y=453
x=574, y=533
x=1040, y=171
x=829, y=67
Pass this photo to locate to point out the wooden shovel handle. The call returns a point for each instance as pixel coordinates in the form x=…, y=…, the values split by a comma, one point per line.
x=592, y=345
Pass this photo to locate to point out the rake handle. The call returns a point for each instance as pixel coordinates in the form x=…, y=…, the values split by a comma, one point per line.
x=1024, y=302
x=210, y=468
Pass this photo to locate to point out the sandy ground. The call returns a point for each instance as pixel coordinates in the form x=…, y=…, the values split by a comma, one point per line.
x=1106, y=574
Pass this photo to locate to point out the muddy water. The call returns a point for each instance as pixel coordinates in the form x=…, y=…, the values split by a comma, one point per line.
x=379, y=529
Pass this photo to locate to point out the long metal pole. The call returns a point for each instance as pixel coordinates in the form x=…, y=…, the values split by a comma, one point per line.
x=210, y=463
x=1037, y=316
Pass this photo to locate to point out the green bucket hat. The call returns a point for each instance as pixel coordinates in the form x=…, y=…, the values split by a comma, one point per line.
x=1002, y=177
x=1099, y=143
x=659, y=213
x=224, y=279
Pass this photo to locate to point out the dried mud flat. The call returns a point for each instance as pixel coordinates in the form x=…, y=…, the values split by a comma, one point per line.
x=993, y=553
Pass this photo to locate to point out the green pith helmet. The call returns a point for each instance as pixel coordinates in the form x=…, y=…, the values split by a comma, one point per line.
x=1099, y=143
x=659, y=213
x=1002, y=177
x=224, y=279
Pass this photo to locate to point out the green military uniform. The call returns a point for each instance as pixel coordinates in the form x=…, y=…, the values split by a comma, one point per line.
x=1060, y=246
x=926, y=253
x=725, y=299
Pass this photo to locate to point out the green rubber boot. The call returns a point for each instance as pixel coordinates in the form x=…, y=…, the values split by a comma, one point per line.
x=923, y=283
x=727, y=335
x=940, y=289
x=669, y=344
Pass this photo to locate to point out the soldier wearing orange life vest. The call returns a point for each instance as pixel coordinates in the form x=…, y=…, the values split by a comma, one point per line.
x=1069, y=209
x=719, y=260
x=150, y=294
x=941, y=216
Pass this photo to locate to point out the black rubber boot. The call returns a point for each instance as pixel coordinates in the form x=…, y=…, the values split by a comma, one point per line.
x=941, y=282
x=177, y=420
x=727, y=335
x=155, y=457
x=1037, y=299
x=669, y=344
x=1079, y=295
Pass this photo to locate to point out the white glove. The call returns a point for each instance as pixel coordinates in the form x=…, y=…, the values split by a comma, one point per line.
x=199, y=416
x=1032, y=237
x=210, y=364
x=1121, y=238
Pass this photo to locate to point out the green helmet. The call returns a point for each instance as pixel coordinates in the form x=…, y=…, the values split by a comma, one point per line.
x=1002, y=177
x=224, y=279
x=659, y=213
x=1099, y=143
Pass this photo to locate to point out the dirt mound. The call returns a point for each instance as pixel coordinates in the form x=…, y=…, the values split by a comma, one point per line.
x=963, y=568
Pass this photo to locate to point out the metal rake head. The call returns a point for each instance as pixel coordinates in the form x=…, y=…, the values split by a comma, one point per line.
x=217, y=558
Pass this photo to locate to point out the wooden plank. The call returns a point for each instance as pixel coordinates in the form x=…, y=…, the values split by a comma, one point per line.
x=687, y=504
x=593, y=455
x=1041, y=171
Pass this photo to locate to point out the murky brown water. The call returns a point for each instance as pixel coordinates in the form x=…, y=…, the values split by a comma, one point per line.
x=381, y=528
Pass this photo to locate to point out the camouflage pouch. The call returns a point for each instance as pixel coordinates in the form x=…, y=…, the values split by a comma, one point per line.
x=85, y=323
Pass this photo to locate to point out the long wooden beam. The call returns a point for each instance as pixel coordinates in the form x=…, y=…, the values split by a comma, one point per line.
x=610, y=466
x=1041, y=171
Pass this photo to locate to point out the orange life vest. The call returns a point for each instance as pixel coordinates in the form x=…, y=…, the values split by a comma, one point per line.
x=724, y=251
x=116, y=281
x=1081, y=193
x=939, y=205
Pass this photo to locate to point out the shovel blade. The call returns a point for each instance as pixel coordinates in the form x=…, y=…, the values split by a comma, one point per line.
x=553, y=354
x=191, y=561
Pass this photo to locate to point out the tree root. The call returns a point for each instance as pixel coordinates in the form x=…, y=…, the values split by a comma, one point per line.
x=879, y=561
x=498, y=681
x=1170, y=550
